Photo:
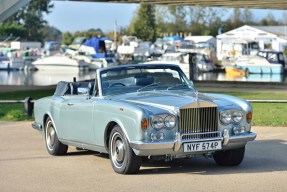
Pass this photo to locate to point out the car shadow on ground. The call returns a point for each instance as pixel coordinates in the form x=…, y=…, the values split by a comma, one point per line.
x=260, y=156
x=82, y=152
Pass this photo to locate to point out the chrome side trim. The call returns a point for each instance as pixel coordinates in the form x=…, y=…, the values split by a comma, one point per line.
x=37, y=126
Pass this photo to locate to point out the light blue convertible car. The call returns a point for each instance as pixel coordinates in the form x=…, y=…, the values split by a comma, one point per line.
x=149, y=111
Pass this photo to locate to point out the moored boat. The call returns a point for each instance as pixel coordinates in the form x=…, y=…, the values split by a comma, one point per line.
x=60, y=62
x=233, y=72
x=258, y=65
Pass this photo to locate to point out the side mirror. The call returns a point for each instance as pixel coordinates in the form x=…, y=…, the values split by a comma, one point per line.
x=83, y=91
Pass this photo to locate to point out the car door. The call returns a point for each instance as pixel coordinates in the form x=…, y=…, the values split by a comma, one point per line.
x=76, y=119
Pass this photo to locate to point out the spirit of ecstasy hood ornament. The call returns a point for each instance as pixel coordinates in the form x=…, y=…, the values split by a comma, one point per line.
x=196, y=95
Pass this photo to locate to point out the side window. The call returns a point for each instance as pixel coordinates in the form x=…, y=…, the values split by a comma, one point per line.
x=272, y=57
x=281, y=57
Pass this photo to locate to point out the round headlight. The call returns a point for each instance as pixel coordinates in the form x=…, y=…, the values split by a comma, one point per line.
x=157, y=122
x=169, y=121
x=237, y=116
x=225, y=117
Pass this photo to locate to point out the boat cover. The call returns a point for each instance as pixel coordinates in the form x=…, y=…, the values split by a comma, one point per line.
x=99, y=46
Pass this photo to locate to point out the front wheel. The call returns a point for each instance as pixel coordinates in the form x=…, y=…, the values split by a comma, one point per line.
x=230, y=157
x=54, y=146
x=123, y=158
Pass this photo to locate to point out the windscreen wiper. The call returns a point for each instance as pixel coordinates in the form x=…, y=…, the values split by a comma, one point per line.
x=148, y=86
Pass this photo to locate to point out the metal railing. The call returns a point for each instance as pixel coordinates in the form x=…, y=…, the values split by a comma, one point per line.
x=266, y=101
x=29, y=103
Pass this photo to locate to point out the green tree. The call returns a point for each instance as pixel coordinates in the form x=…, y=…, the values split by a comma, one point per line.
x=67, y=38
x=14, y=30
x=269, y=20
x=179, y=14
x=205, y=21
x=144, y=23
x=236, y=18
x=31, y=16
x=213, y=20
x=51, y=33
x=247, y=17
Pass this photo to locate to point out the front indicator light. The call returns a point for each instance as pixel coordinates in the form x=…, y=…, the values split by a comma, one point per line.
x=144, y=123
x=249, y=117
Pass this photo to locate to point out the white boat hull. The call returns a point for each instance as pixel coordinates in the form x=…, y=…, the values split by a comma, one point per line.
x=59, y=62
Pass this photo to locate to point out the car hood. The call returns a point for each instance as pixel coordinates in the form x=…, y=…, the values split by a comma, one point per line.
x=170, y=99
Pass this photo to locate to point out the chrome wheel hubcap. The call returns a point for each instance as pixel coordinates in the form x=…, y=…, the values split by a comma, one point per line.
x=117, y=150
x=50, y=135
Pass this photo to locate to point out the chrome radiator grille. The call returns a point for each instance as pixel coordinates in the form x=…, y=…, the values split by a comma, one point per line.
x=198, y=123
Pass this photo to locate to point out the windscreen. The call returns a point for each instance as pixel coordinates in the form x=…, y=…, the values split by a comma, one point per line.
x=136, y=79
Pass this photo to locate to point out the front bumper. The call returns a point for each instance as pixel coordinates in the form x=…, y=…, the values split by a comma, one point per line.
x=175, y=147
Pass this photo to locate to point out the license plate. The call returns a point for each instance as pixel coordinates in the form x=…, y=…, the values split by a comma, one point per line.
x=202, y=146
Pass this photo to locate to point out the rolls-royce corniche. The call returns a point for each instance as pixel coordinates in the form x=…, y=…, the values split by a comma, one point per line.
x=144, y=111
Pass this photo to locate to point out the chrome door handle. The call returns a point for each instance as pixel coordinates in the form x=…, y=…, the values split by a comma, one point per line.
x=69, y=104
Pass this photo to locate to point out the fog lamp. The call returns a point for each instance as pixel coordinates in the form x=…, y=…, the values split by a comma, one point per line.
x=157, y=136
x=239, y=130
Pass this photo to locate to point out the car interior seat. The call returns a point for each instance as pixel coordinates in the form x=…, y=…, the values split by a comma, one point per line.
x=143, y=81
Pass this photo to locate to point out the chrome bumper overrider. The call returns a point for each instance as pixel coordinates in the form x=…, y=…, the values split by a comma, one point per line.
x=177, y=143
x=37, y=126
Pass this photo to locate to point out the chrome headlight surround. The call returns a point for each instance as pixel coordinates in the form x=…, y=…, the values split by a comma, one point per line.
x=237, y=116
x=226, y=117
x=163, y=121
x=231, y=116
x=170, y=121
x=157, y=122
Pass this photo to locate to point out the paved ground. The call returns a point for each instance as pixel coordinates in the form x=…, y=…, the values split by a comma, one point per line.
x=26, y=166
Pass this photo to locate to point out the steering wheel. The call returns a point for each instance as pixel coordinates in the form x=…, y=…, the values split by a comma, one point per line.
x=117, y=84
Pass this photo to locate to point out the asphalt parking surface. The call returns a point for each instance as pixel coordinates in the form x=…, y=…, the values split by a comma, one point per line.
x=25, y=165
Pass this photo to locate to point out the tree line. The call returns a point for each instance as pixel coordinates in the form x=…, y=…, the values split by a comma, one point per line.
x=148, y=23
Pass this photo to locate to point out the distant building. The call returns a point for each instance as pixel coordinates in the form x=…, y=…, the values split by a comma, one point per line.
x=203, y=40
x=247, y=40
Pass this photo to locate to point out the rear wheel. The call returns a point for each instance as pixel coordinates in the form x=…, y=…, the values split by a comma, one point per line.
x=230, y=157
x=123, y=158
x=53, y=145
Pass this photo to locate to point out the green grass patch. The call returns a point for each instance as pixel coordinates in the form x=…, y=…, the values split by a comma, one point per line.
x=15, y=112
x=264, y=114
x=258, y=95
x=270, y=114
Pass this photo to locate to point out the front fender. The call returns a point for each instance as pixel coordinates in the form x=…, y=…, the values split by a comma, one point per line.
x=243, y=104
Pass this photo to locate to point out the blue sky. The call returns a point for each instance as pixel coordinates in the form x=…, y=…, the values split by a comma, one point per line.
x=81, y=16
